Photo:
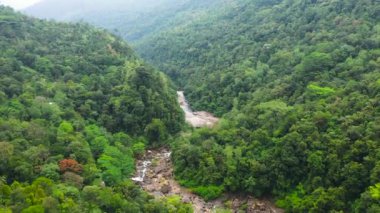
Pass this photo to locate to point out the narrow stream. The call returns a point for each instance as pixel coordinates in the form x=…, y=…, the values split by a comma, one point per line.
x=141, y=171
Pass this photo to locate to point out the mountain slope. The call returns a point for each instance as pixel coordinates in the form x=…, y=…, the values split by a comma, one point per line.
x=76, y=107
x=245, y=35
x=63, y=10
x=297, y=83
x=131, y=19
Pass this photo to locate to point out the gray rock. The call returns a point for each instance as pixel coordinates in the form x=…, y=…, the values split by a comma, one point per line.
x=166, y=189
x=186, y=200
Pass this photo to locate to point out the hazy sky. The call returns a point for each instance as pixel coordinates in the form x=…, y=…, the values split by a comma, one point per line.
x=18, y=4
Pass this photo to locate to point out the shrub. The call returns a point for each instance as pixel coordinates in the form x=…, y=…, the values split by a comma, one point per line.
x=209, y=192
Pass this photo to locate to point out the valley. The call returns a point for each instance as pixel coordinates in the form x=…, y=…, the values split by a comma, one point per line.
x=96, y=117
x=154, y=173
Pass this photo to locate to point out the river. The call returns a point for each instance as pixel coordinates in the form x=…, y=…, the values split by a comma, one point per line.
x=196, y=119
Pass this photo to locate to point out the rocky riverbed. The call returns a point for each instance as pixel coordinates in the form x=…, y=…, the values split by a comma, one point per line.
x=155, y=175
x=196, y=119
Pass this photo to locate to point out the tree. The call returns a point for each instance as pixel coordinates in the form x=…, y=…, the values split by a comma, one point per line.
x=156, y=132
x=116, y=165
x=315, y=63
x=98, y=145
x=44, y=65
x=138, y=149
x=50, y=171
x=6, y=152
x=34, y=209
x=65, y=134
x=375, y=191
x=73, y=179
x=91, y=196
x=70, y=165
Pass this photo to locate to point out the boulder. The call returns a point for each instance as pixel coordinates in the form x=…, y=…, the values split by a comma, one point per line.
x=160, y=168
x=150, y=188
x=186, y=200
x=166, y=188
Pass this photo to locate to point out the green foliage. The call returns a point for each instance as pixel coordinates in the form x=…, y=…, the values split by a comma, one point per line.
x=208, y=192
x=6, y=210
x=50, y=171
x=174, y=204
x=293, y=199
x=375, y=191
x=314, y=63
x=116, y=165
x=76, y=97
x=138, y=149
x=34, y=209
x=369, y=200
x=322, y=91
x=156, y=132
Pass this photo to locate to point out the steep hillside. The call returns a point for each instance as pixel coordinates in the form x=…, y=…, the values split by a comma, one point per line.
x=215, y=56
x=76, y=107
x=298, y=85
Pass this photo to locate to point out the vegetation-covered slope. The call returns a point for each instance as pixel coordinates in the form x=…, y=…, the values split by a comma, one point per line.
x=66, y=10
x=130, y=19
x=298, y=84
x=76, y=105
x=216, y=55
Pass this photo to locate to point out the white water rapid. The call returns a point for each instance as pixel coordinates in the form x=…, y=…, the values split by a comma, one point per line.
x=141, y=171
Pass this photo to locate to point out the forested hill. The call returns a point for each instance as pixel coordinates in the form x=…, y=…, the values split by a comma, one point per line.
x=298, y=84
x=264, y=48
x=131, y=19
x=72, y=9
x=76, y=107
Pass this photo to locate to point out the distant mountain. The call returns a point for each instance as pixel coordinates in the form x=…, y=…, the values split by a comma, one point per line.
x=69, y=9
x=130, y=19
